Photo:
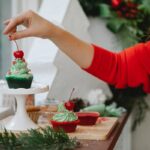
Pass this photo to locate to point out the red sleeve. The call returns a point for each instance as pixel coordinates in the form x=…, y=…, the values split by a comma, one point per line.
x=129, y=68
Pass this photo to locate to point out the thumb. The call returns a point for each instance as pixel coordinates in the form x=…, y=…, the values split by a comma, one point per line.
x=20, y=34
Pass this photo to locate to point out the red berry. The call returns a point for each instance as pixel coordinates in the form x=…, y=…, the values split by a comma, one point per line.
x=116, y=3
x=69, y=105
x=19, y=54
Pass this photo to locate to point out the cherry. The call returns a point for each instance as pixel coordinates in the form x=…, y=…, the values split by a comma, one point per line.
x=19, y=54
x=69, y=104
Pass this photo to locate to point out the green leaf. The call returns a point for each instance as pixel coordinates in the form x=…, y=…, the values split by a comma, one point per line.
x=145, y=6
x=105, y=10
x=115, y=24
x=127, y=36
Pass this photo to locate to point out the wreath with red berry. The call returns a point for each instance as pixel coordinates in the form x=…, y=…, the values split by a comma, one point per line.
x=128, y=19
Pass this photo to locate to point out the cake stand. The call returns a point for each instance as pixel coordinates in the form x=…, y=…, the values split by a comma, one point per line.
x=21, y=120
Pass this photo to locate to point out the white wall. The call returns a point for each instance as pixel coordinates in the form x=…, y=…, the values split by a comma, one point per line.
x=125, y=140
x=101, y=36
x=141, y=137
x=5, y=47
x=69, y=74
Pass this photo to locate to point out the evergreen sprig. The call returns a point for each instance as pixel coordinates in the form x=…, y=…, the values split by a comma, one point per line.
x=43, y=139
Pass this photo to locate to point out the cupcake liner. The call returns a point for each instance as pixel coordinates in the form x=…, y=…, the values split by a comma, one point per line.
x=19, y=82
x=66, y=126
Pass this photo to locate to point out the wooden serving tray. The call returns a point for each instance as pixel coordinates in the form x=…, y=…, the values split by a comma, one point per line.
x=100, y=131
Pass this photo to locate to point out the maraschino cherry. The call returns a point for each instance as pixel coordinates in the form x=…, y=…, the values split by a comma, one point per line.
x=69, y=104
x=19, y=53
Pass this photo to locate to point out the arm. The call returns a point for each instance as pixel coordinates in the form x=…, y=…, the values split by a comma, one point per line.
x=78, y=50
x=128, y=68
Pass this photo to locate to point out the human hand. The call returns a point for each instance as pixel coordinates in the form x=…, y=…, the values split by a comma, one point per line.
x=34, y=25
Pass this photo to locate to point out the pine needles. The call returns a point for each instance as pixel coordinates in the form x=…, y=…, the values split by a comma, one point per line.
x=45, y=139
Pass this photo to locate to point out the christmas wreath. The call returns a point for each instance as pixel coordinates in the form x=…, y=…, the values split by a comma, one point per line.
x=129, y=20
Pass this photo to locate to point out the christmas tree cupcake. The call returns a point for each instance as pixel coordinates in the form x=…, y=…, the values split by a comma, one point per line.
x=65, y=119
x=19, y=76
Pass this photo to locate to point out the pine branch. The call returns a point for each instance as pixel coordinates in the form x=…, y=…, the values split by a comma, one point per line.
x=44, y=139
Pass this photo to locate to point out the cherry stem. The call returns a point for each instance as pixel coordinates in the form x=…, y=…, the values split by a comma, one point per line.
x=16, y=44
x=71, y=93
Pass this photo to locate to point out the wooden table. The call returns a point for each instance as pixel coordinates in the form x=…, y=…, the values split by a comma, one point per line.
x=110, y=142
x=106, y=144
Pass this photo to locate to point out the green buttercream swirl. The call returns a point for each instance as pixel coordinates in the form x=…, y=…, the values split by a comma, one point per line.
x=19, y=69
x=64, y=115
x=62, y=108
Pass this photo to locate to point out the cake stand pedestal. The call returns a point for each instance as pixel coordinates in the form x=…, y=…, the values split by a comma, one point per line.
x=21, y=120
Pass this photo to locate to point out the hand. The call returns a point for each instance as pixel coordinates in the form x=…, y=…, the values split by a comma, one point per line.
x=78, y=50
x=35, y=26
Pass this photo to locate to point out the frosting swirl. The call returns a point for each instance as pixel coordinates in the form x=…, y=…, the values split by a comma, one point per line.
x=19, y=69
x=62, y=108
x=64, y=115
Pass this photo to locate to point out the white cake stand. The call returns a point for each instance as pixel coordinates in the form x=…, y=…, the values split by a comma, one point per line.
x=21, y=120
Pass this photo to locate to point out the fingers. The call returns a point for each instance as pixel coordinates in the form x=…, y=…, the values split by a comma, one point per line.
x=13, y=30
x=20, y=34
x=12, y=24
x=6, y=22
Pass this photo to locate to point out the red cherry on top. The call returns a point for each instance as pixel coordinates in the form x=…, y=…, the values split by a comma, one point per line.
x=19, y=54
x=69, y=105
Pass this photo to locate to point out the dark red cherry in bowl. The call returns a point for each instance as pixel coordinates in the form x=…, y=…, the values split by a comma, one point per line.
x=69, y=105
x=19, y=54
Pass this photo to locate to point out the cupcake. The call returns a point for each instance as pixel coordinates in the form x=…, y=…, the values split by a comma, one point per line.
x=66, y=120
x=19, y=76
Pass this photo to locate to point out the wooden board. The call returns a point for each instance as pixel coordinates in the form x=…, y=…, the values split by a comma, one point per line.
x=100, y=131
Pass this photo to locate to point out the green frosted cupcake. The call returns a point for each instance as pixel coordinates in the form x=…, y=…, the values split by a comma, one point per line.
x=19, y=75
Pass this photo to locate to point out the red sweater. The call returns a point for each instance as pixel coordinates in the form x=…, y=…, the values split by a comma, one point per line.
x=128, y=68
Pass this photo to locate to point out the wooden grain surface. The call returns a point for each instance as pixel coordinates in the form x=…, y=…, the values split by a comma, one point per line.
x=100, y=131
x=105, y=144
